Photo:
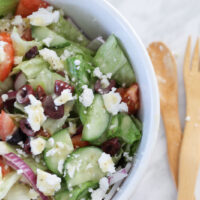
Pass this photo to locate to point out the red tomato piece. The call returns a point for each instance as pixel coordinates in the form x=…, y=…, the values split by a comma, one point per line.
x=77, y=142
x=27, y=7
x=5, y=169
x=7, y=125
x=131, y=97
x=7, y=63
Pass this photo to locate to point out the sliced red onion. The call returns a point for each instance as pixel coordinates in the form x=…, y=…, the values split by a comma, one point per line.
x=96, y=43
x=20, y=81
x=17, y=163
x=117, y=176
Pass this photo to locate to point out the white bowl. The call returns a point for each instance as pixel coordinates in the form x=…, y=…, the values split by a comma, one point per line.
x=99, y=18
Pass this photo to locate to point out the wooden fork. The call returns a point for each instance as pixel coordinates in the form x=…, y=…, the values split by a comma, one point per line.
x=190, y=149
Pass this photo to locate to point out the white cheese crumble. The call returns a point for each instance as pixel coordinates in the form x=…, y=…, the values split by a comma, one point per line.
x=77, y=62
x=87, y=96
x=60, y=165
x=48, y=183
x=18, y=60
x=66, y=54
x=66, y=95
x=113, y=104
x=33, y=194
x=100, y=193
x=52, y=58
x=106, y=163
x=17, y=21
x=35, y=113
x=47, y=41
x=4, y=97
x=44, y=17
x=37, y=145
x=2, y=52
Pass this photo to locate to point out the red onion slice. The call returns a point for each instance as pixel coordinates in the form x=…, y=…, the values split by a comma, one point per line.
x=17, y=163
x=96, y=43
x=117, y=176
x=20, y=81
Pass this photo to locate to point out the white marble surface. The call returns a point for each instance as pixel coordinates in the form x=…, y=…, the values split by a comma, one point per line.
x=170, y=21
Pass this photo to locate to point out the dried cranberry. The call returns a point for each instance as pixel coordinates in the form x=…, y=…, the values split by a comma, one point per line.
x=31, y=53
x=26, y=128
x=23, y=93
x=16, y=137
x=60, y=86
x=111, y=146
x=40, y=93
x=51, y=110
x=98, y=87
x=27, y=146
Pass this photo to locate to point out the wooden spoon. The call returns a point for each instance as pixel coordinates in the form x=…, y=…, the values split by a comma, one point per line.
x=166, y=72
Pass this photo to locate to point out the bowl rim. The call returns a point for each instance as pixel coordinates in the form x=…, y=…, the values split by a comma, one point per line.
x=133, y=183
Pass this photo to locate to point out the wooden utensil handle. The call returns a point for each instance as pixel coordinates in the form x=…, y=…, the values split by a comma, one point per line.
x=174, y=137
x=189, y=161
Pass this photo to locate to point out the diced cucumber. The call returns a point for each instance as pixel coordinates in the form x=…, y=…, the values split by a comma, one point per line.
x=19, y=191
x=6, y=85
x=40, y=33
x=110, y=58
x=7, y=6
x=8, y=181
x=46, y=79
x=54, y=125
x=82, y=111
x=57, y=151
x=77, y=193
x=97, y=120
x=31, y=68
x=66, y=29
x=21, y=46
x=126, y=129
x=125, y=76
x=6, y=148
x=82, y=166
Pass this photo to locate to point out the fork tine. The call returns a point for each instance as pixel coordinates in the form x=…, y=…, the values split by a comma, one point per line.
x=195, y=59
x=187, y=57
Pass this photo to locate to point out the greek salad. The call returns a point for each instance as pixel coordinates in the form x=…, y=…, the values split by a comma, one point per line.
x=68, y=107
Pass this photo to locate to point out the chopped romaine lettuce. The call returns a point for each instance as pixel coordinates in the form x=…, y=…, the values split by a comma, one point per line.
x=7, y=7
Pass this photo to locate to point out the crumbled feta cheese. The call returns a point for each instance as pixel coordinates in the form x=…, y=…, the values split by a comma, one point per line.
x=21, y=152
x=71, y=170
x=4, y=97
x=33, y=194
x=106, y=163
x=35, y=113
x=52, y=58
x=66, y=54
x=99, y=193
x=48, y=183
x=51, y=141
x=37, y=145
x=2, y=52
x=47, y=41
x=44, y=17
x=19, y=171
x=65, y=96
x=113, y=104
x=17, y=21
x=105, y=82
x=126, y=155
x=97, y=73
x=60, y=166
x=77, y=62
x=87, y=96
x=18, y=60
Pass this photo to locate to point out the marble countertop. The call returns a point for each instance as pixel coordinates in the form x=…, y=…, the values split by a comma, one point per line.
x=172, y=22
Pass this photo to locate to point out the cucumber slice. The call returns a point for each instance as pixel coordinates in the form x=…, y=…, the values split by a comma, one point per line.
x=8, y=181
x=40, y=33
x=31, y=68
x=77, y=193
x=66, y=29
x=82, y=166
x=56, y=152
x=21, y=46
x=122, y=126
x=97, y=120
x=7, y=6
x=125, y=76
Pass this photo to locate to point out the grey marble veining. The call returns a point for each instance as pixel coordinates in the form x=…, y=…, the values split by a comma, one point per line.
x=170, y=21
